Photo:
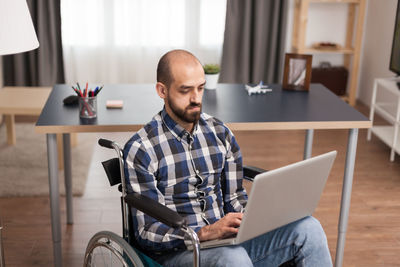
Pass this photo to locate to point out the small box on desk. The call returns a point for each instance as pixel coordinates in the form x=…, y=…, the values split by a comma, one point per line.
x=333, y=78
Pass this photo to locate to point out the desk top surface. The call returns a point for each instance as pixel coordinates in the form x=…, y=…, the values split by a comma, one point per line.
x=23, y=100
x=277, y=110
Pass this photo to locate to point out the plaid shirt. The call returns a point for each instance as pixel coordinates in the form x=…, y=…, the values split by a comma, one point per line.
x=199, y=175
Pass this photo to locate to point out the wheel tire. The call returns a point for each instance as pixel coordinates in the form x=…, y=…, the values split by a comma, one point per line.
x=108, y=244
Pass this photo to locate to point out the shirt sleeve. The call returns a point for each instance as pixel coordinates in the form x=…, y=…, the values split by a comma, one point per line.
x=139, y=172
x=235, y=196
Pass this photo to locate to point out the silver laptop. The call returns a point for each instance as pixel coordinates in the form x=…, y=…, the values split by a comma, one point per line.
x=281, y=196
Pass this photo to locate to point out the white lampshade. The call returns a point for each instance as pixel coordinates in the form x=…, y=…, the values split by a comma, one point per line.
x=17, y=33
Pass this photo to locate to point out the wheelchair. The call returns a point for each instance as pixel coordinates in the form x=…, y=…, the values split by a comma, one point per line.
x=109, y=249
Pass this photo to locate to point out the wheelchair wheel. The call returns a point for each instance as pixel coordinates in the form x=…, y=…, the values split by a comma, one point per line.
x=109, y=249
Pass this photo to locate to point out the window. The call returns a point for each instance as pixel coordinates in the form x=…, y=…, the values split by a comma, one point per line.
x=129, y=36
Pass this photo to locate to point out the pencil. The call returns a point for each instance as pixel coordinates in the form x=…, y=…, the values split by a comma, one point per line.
x=99, y=90
x=77, y=91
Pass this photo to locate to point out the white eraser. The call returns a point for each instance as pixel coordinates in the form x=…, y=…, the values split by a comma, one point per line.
x=114, y=103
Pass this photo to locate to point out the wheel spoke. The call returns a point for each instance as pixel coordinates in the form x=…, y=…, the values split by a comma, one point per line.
x=109, y=249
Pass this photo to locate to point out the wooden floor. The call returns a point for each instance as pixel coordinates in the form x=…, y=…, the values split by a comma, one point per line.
x=373, y=237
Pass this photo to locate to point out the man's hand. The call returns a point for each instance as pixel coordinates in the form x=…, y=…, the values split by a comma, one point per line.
x=225, y=227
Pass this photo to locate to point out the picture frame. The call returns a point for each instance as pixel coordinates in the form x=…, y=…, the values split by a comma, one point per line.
x=297, y=72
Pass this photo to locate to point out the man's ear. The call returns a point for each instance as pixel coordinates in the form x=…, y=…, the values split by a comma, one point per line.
x=161, y=90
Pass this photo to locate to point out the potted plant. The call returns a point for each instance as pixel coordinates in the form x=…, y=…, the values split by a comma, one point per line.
x=211, y=74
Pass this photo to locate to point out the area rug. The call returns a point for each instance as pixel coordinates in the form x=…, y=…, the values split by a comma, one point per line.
x=23, y=167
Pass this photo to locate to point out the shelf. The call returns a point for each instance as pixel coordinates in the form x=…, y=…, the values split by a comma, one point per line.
x=390, y=85
x=348, y=51
x=386, y=133
x=387, y=111
x=336, y=1
x=351, y=50
x=333, y=51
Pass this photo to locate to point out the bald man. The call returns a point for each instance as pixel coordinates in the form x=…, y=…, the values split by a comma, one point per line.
x=190, y=162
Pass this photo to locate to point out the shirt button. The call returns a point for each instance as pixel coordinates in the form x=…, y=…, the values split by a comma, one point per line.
x=197, y=171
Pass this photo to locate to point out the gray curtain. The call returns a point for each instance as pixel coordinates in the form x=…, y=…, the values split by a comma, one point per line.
x=43, y=66
x=254, y=41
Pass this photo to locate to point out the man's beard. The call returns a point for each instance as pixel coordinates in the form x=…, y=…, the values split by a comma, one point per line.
x=183, y=114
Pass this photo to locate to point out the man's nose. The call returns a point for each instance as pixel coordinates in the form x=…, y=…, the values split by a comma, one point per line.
x=196, y=96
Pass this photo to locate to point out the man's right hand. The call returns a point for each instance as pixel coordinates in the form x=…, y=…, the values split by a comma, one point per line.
x=225, y=227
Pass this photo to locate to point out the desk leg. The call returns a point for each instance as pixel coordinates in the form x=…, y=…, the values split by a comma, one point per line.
x=68, y=177
x=346, y=195
x=54, y=197
x=308, y=143
x=10, y=125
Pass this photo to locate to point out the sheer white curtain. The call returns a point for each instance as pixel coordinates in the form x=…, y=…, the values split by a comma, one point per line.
x=121, y=41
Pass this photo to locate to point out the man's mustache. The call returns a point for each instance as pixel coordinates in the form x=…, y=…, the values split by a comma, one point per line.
x=193, y=105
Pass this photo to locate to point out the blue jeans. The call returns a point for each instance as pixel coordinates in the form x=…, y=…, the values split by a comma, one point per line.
x=304, y=241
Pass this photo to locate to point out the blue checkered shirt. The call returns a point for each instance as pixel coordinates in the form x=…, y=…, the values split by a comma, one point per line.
x=199, y=175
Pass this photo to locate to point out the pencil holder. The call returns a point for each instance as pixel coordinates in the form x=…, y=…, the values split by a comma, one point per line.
x=88, y=107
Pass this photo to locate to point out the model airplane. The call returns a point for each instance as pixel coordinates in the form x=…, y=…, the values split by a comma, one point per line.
x=258, y=89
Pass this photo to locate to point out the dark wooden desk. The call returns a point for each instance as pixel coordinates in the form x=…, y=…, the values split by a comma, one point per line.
x=277, y=110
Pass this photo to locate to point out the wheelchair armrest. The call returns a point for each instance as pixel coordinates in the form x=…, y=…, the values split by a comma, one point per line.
x=249, y=172
x=155, y=209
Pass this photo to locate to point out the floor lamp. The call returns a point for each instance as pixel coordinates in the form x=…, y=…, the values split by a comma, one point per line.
x=17, y=35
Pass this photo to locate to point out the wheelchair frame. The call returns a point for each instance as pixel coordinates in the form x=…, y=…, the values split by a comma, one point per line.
x=142, y=203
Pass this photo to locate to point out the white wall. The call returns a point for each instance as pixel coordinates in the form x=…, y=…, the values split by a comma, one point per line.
x=1, y=72
x=1, y=82
x=377, y=45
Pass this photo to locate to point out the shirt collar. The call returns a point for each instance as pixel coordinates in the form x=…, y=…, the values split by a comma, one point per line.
x=177, y=130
